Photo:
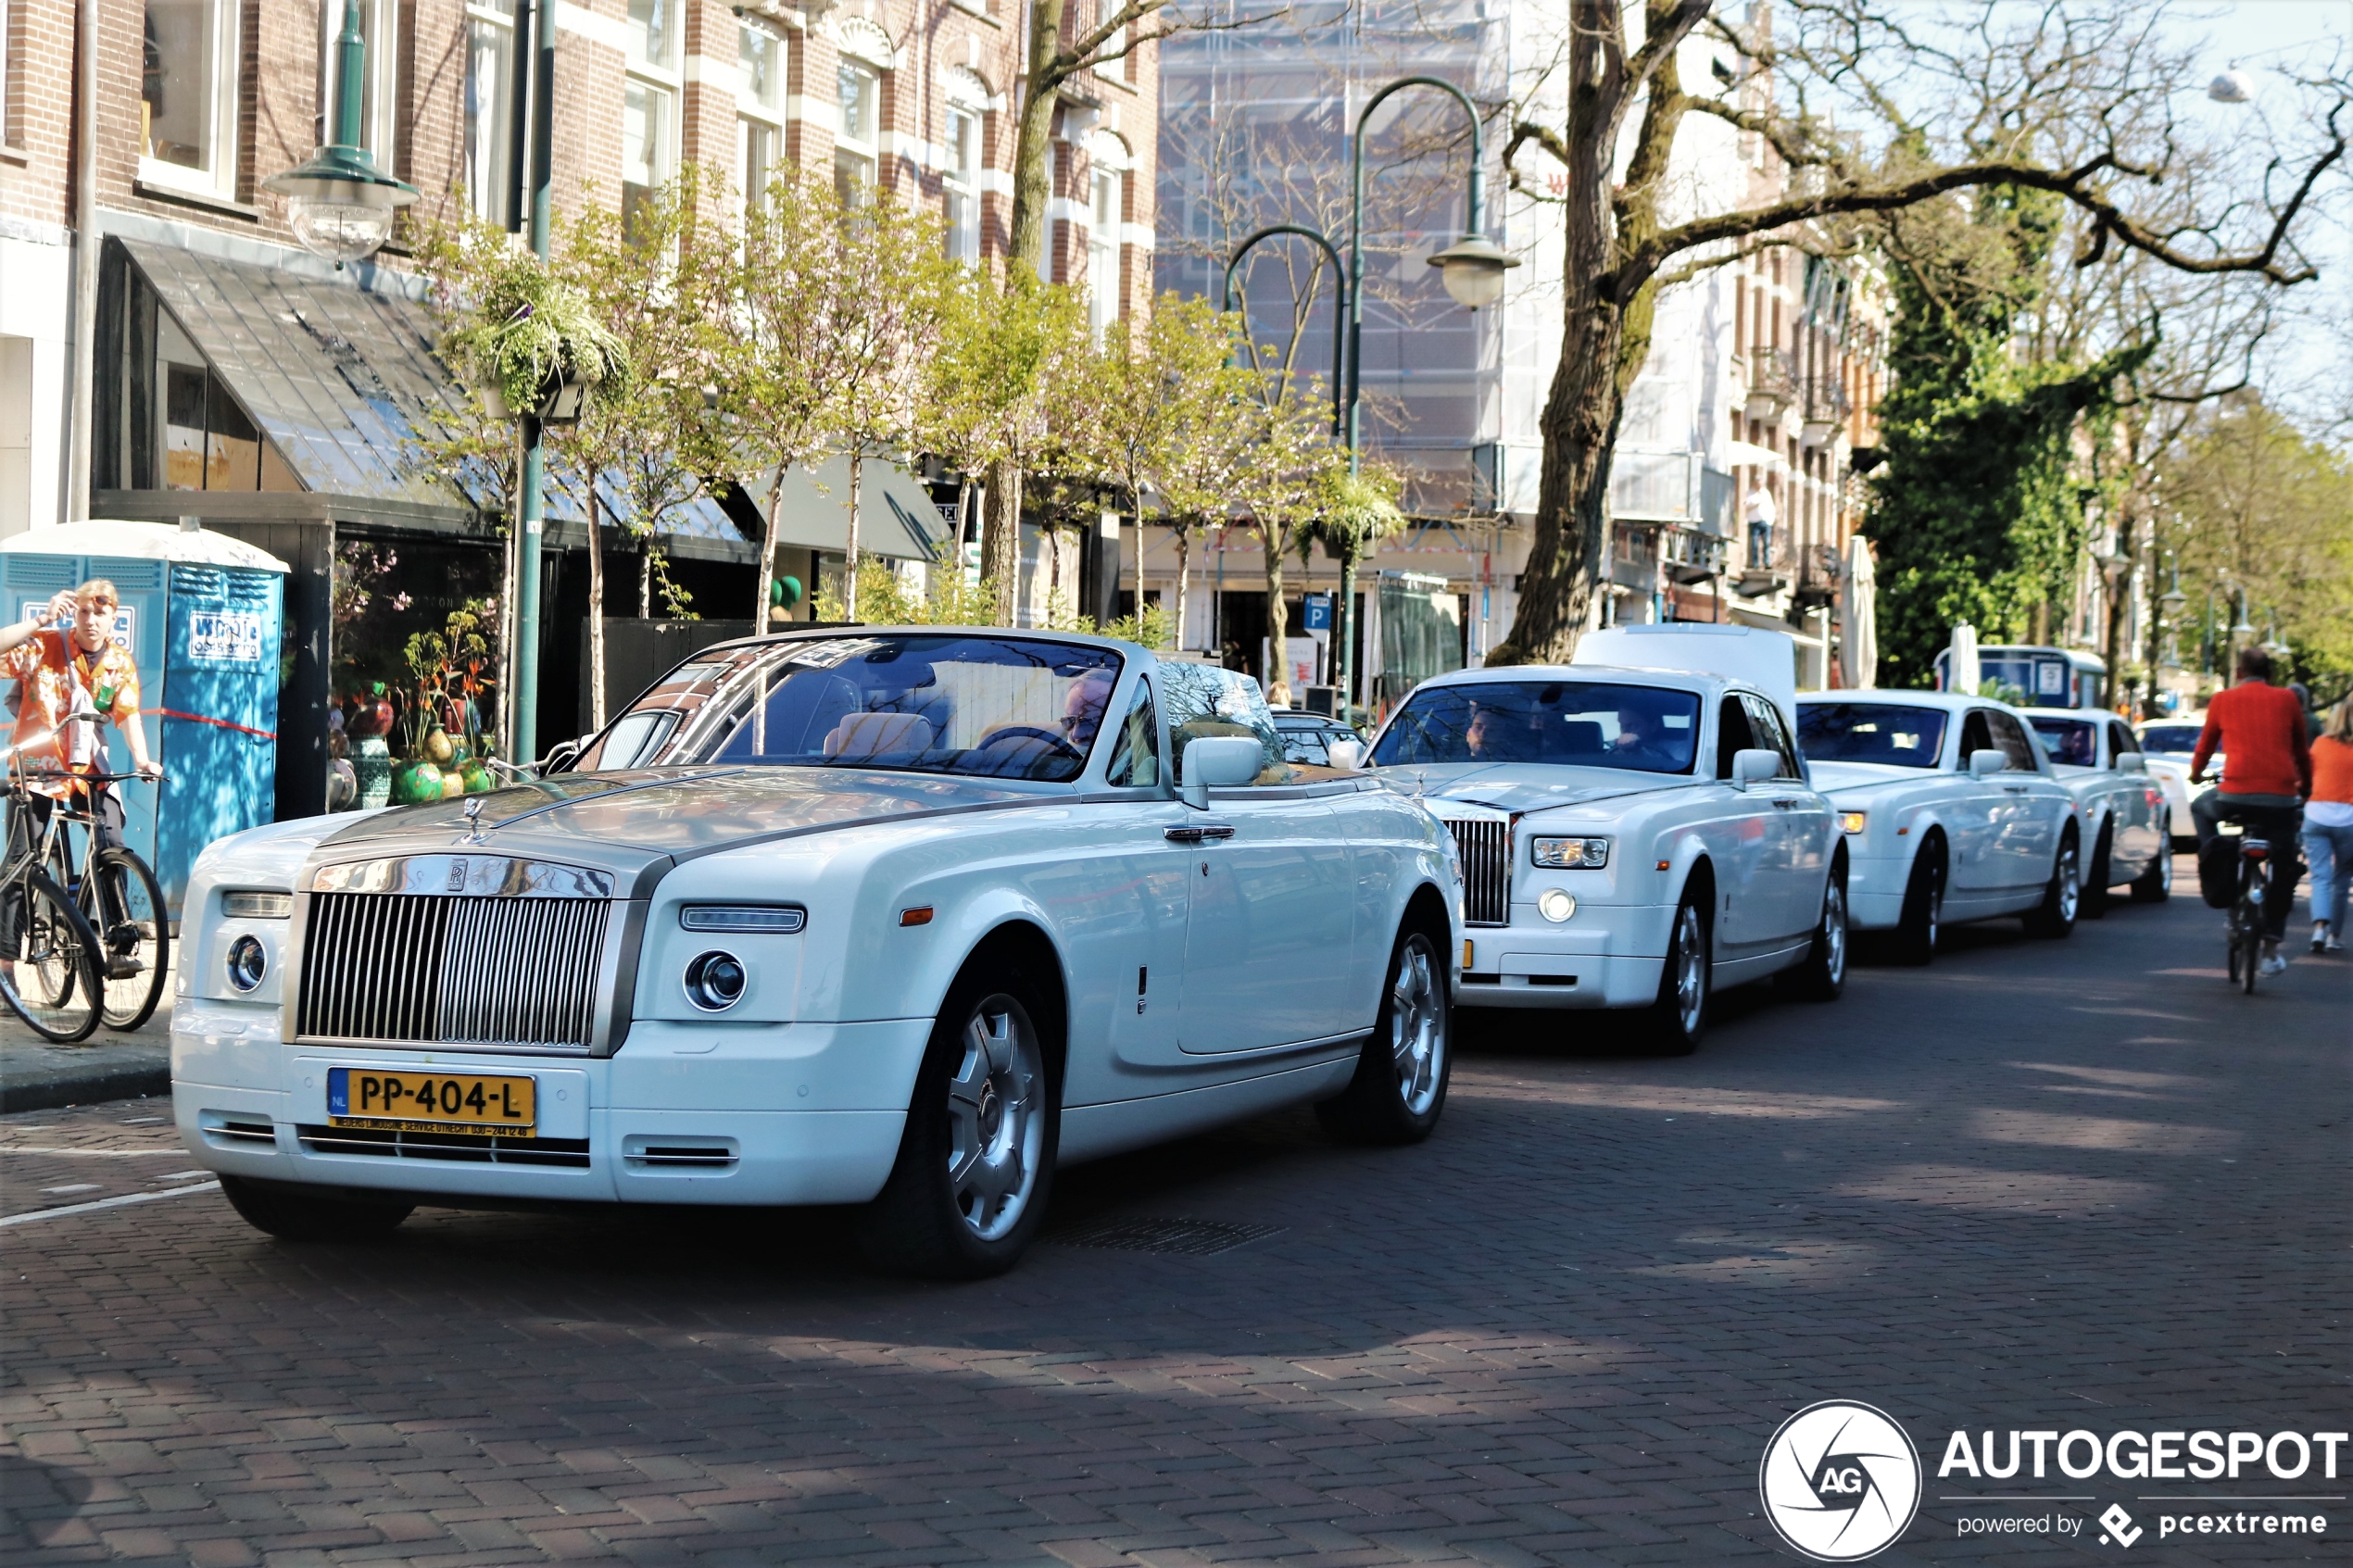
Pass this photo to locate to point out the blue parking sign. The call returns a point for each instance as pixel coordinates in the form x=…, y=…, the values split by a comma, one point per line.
x=1319, y=612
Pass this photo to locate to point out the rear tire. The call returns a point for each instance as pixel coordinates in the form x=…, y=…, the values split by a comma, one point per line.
x=1822, y=974
x=141, y=937
x=1677, y=1019
x=1923, y=916
x=2054, y=918
x=1400, y=1086
x=2154, y=885
x=2094, y=902
x=296, y=1216
x=51, y=979
x=976, y=1161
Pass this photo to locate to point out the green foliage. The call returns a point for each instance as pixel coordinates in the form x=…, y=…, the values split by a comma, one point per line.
x=1978, y=514
x=518, y=325
x=885, y=598
x=448, y=670
x=1359, y=510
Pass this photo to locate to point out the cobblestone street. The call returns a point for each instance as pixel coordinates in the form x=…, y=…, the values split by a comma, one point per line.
x=2078, y=1184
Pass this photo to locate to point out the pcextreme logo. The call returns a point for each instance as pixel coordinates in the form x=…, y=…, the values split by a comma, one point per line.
x=1841, y=1481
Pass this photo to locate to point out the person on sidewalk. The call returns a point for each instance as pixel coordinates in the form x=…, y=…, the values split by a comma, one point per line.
x=2259, y=727
x=2328, y=828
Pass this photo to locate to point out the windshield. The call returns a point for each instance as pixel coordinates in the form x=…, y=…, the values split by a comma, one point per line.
x=1580, y=723
x=2069, y=741
x=2170, y=738
x=994, y=707
x=1870, y=731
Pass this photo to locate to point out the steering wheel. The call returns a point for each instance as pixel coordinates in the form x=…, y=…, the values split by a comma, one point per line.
x=1030, y=732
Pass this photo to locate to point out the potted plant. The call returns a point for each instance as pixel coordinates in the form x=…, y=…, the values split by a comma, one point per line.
x=532, y=344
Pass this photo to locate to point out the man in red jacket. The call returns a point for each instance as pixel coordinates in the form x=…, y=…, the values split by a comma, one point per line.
x=2259, y=727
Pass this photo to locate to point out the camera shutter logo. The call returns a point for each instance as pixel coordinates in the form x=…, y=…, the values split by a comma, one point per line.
x=1841, y=1481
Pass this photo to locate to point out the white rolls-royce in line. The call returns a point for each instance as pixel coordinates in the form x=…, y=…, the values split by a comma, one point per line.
x=2119, y=804
x=899, y=918
x=1950, y=812
x=1630, y=838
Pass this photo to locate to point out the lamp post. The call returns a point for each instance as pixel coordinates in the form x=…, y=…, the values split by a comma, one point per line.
x=534, y=98
x=1472, y=269
x=338, y=203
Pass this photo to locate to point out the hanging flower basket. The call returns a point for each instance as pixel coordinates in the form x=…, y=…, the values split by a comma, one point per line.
x=532, y=344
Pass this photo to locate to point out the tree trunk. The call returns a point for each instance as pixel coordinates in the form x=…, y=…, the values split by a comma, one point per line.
x=1184, y=577
x=850, y=556
x=768, y=553
x=1001, y=540
x=596, y=615
x=1277, y=616
x=645, y=580
x=1345, y=629
x=1033, y=137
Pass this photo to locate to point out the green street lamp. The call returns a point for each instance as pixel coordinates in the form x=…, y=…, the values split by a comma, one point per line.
x=339, y=203
x=1472, y=269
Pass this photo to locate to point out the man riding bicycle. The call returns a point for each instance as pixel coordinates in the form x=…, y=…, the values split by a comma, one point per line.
x=2260, y=728
x=63, y=671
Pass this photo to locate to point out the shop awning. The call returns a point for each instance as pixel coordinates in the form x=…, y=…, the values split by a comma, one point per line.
x=896, y=515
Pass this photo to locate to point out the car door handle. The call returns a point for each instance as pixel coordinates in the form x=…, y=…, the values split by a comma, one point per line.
x=1207, y=831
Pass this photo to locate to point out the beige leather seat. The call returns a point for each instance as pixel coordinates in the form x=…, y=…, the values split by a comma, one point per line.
x=879, y=735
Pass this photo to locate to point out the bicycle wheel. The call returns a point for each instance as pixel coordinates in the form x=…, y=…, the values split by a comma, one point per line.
x=49, y=962
x=125, y=907
x=2248, y=956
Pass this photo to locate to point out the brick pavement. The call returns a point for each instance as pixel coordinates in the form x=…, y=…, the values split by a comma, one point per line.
x=2054, y=1185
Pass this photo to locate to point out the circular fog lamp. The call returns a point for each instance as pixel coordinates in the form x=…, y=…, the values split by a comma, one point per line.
x=716, y=981
x=1555, y=906
x=248, y=962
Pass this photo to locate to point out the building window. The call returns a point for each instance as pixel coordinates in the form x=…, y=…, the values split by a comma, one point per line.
x=490, y=78
x=960, y=182
x=1102, y=254
x=760, y=63
x=648, y=103
x=188, y=99
x=380, y=94
x=856, y=144
x=1115, y=49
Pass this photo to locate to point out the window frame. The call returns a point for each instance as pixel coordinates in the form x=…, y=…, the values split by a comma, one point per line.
x=1994, y=719
x=1142, y=696
x=224, y=74
x=660, y=80
x=1778, y=736
x=865, y=149
x=758, y=119
x=495, y=201
x=959, y=181
x=1103, y=250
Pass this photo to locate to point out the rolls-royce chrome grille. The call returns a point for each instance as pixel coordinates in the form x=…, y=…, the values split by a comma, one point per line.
x=452, y=969
x=1486, y=847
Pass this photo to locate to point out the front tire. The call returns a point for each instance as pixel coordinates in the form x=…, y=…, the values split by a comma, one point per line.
x=1822, y=975
x=1677, y=1019
x=2094, y=901
x=2154, y=885
x=976, y=1160
x=291, y=1214
x=1923, y=916
x=1399, y=1084
x=2054, y=917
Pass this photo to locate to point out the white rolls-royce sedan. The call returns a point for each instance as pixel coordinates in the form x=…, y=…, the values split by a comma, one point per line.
x=2120, y=804
x=1950, y=810
x=1630, y=838
x=899, y=918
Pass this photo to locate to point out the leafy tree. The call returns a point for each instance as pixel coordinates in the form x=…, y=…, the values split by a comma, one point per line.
x=1286, y=476
x=1358, y=511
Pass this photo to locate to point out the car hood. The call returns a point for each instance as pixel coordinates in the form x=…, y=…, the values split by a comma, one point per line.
x=678, y=812
x=1521, y=787
x=1834, y=778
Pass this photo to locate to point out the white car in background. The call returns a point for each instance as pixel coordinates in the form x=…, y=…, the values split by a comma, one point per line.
x=1950, y=812
x=1630, y=838
x=2121, y=807
x=2167, y=745
x=897, y=918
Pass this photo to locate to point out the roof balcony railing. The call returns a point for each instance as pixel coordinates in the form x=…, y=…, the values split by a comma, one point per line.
x=1771, y=386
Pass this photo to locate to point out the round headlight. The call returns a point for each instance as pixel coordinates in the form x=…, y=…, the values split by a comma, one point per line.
x=1555, y=906
x=248, y=962
x=716, y=981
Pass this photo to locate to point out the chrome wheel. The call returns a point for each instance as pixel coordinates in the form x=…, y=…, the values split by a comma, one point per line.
x=1416, y=1027
x=996, y=1117
x=1935, y=905
x=2070, y=884
x=1834, y=932
x=1689, y=955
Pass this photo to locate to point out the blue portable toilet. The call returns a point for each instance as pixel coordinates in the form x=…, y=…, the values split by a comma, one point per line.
x=201, y=614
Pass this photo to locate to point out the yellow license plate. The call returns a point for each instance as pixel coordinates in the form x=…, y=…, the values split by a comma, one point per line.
x=432, y=1102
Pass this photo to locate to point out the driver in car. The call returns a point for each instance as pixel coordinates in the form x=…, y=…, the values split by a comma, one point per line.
x=1498, y=735
x=1642, y=741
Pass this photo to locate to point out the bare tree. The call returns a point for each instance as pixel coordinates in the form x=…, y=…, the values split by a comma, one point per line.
x=2074, y=102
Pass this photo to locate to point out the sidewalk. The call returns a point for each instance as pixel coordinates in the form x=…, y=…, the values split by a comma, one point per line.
x=36, y=1076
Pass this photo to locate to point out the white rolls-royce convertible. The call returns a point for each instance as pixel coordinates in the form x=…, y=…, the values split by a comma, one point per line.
x=1630, y=838
x=2120, y=803
x=899, y=918
x=1950, y=810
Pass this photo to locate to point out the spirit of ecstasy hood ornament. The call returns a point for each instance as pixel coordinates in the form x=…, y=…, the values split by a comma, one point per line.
x=473, y=819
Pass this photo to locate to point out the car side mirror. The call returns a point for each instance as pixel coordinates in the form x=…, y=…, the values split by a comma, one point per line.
x=1347, y=755
x=1753, y=765
x=1987, y=761
x=2131, y=763
x=1219, y=762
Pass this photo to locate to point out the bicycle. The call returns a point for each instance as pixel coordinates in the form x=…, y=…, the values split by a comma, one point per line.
x=48, y=952
x=119, y=896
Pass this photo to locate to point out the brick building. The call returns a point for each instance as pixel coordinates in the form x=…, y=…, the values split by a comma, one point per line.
x=236, y=378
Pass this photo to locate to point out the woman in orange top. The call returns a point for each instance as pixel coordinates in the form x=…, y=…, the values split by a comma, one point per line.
x=2328, y=828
